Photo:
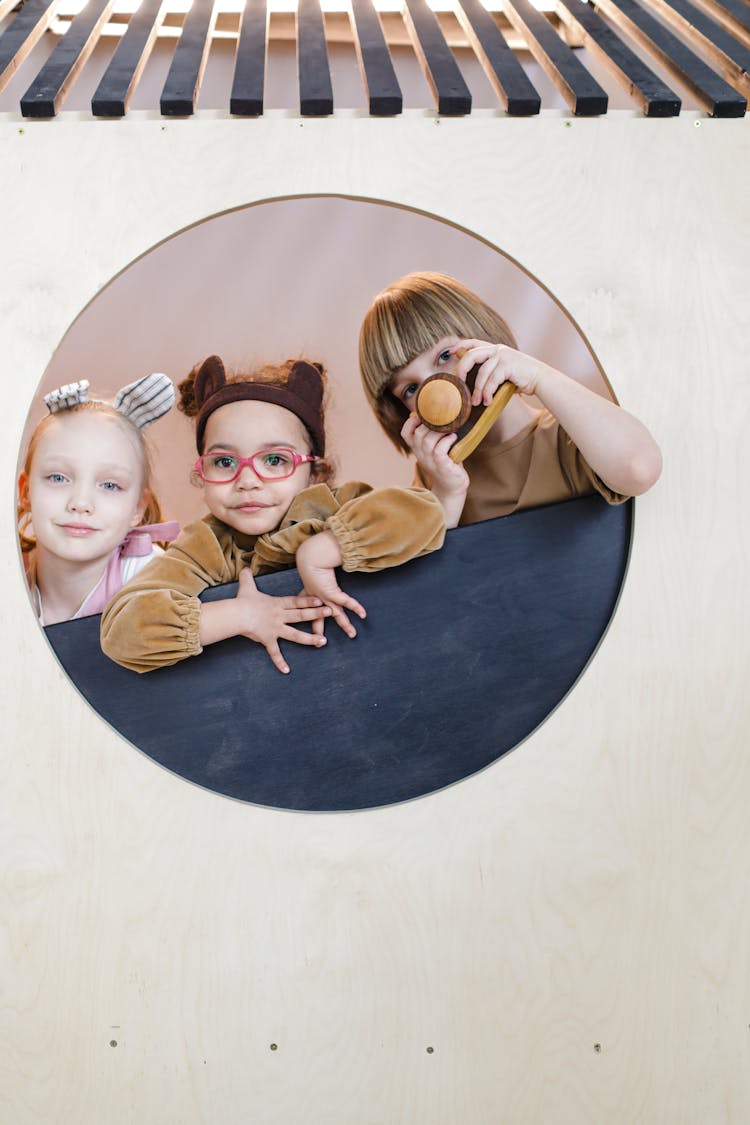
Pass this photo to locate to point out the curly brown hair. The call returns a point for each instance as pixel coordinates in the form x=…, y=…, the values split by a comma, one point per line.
x=274, y=375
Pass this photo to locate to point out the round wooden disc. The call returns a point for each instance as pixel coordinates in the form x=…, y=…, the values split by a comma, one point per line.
x=443, y=403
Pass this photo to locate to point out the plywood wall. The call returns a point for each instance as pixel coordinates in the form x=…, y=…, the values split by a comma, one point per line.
x=562, y=939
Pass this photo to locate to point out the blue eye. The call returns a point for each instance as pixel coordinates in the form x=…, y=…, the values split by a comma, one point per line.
x=111, y=486
x=56, y=478
x=445, y=356
x=409, y=391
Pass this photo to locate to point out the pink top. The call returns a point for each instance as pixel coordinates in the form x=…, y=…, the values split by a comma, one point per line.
x=138, y=544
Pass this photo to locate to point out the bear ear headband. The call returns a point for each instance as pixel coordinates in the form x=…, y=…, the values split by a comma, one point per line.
x=141, y=402
x=302, y=394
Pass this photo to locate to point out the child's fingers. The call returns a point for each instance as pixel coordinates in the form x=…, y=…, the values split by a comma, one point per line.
x=300, y=637
x=488, y=380
x=348, y=602
x=409, y=428
x=442, y=455
x=319, y=626
x=343, y=621
x=446, y=441
x=273, y=650
x=473, y=353
x=292, y=613
x=425, y=439
x=300, y=601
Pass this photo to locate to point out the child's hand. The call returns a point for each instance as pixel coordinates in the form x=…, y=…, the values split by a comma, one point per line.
x=615, y=444
x=316, y=560
x=498, y=364
x=264, y=618
x=448, y=480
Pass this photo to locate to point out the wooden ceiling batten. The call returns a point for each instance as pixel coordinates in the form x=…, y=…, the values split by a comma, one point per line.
x=191, y=53
x=246, y=98
x=113, y=94
x=582, y=92
x=649, y=92
x=383, y=91
x=715, y=95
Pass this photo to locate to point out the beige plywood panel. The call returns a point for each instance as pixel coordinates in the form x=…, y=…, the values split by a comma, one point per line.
x=587, y=890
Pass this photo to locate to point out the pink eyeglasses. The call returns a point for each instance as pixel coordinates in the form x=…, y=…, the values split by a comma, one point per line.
x=219, y=467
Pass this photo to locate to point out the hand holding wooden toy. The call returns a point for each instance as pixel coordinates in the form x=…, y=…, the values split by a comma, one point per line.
x=443, y=404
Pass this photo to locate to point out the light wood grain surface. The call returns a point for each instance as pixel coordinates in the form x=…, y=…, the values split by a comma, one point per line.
x=569, y=931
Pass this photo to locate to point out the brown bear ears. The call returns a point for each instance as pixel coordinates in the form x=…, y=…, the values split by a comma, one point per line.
x=210, y=378
x=306, y=381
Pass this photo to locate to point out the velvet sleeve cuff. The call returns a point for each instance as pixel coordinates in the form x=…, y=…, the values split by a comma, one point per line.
x=387, y=527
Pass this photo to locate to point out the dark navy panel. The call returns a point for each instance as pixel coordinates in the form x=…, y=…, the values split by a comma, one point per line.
x=462, y=655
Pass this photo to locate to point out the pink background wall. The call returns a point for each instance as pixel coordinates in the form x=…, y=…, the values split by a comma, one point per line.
x=286, y=278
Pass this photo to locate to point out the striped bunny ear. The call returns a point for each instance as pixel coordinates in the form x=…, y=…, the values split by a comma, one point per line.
x=145, y=400
x=72, y=394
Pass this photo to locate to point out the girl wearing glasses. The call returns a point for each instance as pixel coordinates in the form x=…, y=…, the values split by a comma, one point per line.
x=265, y=480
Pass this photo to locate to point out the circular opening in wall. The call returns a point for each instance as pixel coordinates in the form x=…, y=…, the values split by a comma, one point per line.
x=464, y=651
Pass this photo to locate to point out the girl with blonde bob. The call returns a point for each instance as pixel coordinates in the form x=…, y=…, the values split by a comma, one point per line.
x=576, y=442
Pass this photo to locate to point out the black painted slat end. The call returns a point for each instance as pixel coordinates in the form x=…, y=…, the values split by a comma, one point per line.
x=316, y=106
x=176, y=107
x=386, y=105
x=663, y=107
x=524, y=107
x=454, y=105
x=37, y=107
x=242, y=106
x=732, y=107
x=591, y=105
x=108, y=107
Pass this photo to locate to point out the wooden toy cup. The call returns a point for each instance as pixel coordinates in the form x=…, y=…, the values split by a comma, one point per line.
x=444, y=404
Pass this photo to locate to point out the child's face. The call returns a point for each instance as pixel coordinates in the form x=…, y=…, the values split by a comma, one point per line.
x=435, y=360
x=249, y=504
x=85, y=487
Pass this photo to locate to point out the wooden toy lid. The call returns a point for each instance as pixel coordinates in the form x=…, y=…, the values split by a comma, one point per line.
x=443, y=403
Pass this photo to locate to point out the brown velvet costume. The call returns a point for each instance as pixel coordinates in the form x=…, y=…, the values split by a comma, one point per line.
x=154, y=621
x=540, y=465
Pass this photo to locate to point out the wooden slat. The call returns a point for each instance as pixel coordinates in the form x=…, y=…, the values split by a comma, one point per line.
x=441, y=71
x=48, y=90
x=248, y=85
x=22, y=35
x=732, y=58
x=506, y=75
x=315, y=90
x=121, y=77
x=734, y=15
x=646, y=88
x=711, y=91
x=186, y=72
x=581, y=91
x=7, y=6
x=383, y=91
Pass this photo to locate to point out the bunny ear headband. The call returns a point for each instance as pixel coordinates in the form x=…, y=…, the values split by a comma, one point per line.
x=302, y=394
x=141, y=402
